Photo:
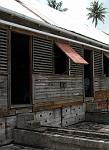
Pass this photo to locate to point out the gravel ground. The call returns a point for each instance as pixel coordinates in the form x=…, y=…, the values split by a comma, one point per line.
x=91, y=126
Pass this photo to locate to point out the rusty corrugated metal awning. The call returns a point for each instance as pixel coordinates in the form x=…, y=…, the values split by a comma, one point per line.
x=71, y=53
x=106, y=54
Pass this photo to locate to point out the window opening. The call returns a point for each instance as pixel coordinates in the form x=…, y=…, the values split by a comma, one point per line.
x=61, y=61
x=106, y=65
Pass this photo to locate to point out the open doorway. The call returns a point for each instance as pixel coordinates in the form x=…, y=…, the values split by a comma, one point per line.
x=20, y=69
x=88, y=73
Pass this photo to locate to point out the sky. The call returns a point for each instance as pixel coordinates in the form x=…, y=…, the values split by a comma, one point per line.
x=78, y=12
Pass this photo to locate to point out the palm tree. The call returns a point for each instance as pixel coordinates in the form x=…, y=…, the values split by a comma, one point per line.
x=96, y=12
x=55, y=5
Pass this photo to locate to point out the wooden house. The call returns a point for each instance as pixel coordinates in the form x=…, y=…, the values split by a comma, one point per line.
x=47, y=66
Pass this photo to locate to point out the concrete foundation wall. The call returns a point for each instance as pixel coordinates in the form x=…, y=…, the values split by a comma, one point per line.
x=56, y=117
x=7, y=124
x=61, y=116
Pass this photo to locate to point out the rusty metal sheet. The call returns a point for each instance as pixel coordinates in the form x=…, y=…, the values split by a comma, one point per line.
x=71, y=53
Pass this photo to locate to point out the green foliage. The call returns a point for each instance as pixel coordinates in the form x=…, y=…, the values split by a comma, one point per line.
x=57, y=6
x=96, y=12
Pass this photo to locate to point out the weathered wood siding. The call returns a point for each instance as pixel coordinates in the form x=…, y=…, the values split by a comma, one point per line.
x=3, y=51
x=98, y=63
x=100, y=81
x=49, y=87
x=77, y=69
x=42, y=55
x=3, y=67
x=3, y=91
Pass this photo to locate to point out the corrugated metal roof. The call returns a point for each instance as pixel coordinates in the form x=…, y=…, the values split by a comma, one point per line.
x=15, y=7
x=62, y=20
x=53, y=17
x=71, y=53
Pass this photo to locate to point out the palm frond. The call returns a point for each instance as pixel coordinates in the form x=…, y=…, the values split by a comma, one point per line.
x=96, y=12
x=57, y=6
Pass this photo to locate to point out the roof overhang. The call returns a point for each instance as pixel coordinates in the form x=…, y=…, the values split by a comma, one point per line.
x=22, y=27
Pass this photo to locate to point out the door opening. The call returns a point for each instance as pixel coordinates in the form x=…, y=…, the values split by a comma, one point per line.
x=20, y=69
x=88, y=73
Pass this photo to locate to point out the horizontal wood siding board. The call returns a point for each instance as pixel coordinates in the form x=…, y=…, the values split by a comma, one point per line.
x=50, y=88
x=42, y=56
x=98, y=67
x=3, y=51
x=101, y=83
x=3, y=91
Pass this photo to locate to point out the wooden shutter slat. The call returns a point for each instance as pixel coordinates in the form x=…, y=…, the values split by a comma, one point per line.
x=76, y=69
x=42, y=55
x=3, y=50
x=98, y=63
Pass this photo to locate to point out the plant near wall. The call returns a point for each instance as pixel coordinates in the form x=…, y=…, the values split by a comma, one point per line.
x=56, y=5
x=96, y=12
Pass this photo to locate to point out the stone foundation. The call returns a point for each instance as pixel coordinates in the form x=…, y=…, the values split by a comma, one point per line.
x=60, y=117
x=7, y=124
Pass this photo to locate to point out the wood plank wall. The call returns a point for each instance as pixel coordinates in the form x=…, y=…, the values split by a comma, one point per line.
x=77, y=69
x=42, y=56
x=3, y=51
x=100, y=81
x=48, y=86
x=3, y=67
x=54, y=88
x=98, y=63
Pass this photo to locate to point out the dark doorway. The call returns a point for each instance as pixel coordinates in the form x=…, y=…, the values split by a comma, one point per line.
x=88, y=73
x=20, y=69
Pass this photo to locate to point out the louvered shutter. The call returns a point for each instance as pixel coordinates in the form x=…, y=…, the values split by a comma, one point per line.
x=3, y=50
x=98, y=66
x=42, y=55
x=76, y=69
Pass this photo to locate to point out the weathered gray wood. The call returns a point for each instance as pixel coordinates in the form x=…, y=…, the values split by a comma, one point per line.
x=50, y=88
x=42, y=55
x=98, y=63
x=101, y=83
x=3, y=51
x=3, y=91
x=76, y=69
